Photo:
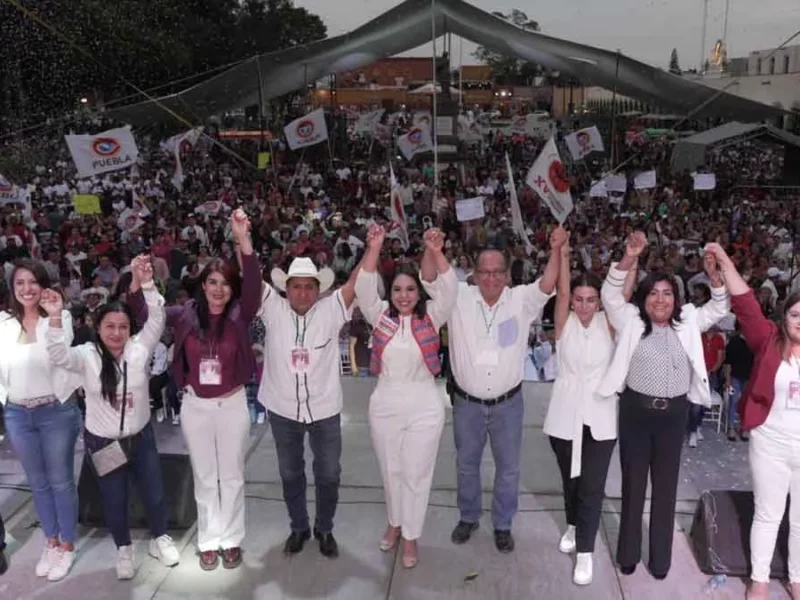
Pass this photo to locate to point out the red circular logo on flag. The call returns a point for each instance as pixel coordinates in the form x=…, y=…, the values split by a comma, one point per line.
x=558, y=176
x=415, y=136
x=106, y=147
x=305, y=128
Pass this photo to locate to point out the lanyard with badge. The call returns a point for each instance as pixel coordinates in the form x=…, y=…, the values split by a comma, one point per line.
x=211, y=367
x=488, y=355
x=300, y=357
x=793, y=397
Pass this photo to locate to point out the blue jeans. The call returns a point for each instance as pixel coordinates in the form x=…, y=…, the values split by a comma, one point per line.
x=325, y=438
x=502, y=423
x=44, y=441
x=737, y=387
x=145, y=466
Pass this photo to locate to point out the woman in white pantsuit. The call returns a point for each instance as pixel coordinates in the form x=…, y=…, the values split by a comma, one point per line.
x=406, y=413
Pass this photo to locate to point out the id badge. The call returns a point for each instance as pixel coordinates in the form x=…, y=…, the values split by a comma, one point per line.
x=793, y=398
x=210, y=371
x=488, y=358
x=300, y=360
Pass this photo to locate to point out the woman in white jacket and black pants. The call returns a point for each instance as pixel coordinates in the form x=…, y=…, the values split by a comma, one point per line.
x=659, y=369
x=114, y=371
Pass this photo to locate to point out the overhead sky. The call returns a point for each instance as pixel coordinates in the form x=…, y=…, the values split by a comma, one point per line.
x=647, y=30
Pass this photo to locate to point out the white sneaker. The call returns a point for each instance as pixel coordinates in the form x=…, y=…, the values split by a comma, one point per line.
x=700, y=437
x=160, y=415
x=567, y=543
x=125, y=568
x=692, y=440
x=261, y=418
x=165, y=551
x=176, y=419
x=582, y=575
x=46, y=561
x=61, y=565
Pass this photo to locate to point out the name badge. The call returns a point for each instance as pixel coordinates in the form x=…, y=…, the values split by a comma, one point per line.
x=386, y=326
x=300, y=361
x=793, y=397
x=210, y=371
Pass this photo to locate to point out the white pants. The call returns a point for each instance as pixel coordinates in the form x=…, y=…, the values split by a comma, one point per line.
x=217, y=431
x=775, y=464
x=406, y=425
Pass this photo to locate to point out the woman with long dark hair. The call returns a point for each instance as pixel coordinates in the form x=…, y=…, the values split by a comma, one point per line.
x=213, y=361
x=581, y=424
x=42, y=416
x=113, y=373
x=659, y=370
x=406, y=413
x=770, y=409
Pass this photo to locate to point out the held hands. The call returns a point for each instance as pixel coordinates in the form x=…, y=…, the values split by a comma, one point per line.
x=434, y=239
x=375, y=237
x=558, y=238
x=52, y=303
x=566, y=250
x=240, y=224
x=635, y=244
x=141, y=270
x=717, y=253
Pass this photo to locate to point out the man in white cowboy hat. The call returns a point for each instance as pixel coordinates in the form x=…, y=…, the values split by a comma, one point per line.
x=94, y=298
x=301, y=390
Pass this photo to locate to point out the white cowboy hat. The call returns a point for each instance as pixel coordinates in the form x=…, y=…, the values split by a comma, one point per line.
x=102, y=292
x=303, y=267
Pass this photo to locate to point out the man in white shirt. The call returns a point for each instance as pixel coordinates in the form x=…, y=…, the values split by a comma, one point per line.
x=191, y=225
x=301, y=390
x=488, y=345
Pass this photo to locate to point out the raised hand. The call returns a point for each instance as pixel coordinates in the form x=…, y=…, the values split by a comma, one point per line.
x=635, y=244
x=566, y=250
x=375, y=236
x=718, y=252
x=434, y=239
x=558, y=238
x=240, y=224
x=51, y=302
x=142, y=269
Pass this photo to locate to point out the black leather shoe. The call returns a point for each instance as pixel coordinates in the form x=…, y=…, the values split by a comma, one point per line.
x=627, y=569
x=3, y=562
x=504, y=540
x=658, y=574
x=463, y=532
x=296, y=541
x=327, y=544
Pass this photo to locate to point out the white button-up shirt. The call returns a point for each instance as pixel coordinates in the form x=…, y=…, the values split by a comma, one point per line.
x=487, y=344
x=310, y=393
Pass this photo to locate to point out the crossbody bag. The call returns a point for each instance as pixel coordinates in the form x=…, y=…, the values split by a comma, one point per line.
x=113, y=456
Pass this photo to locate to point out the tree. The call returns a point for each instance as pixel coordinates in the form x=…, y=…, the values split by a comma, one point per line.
x=674, y=65
x=510, y=70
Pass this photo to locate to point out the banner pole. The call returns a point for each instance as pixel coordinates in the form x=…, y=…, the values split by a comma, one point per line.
x=434, y=111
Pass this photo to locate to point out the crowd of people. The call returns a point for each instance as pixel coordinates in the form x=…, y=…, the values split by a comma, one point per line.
x=232, y=298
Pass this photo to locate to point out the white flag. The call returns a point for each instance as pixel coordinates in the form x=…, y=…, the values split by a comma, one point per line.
x=704, y=181
x=516, y=214
x=397, y=210
x=646, y=180
x=12, y=194
x=422, y=118
x=415, y=141
x=368, y=121
x=616, y=183
x=171, y=145
x=102, y=153
x=584, y=142
x=599, y=189
x=307, y=131
x=129, y=220
x=212, y=207
x=549, y=179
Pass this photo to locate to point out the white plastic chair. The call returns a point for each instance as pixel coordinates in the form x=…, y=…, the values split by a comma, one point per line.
x=345, y=368
x=716, y=413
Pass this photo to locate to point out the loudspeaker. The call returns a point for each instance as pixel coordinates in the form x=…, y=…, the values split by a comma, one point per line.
x=176, y=472
x=720, y=535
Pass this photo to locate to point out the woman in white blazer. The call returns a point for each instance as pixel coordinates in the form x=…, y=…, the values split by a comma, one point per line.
x=581, y=424
x=42, y=416
x=114, y=373
x=658, y=369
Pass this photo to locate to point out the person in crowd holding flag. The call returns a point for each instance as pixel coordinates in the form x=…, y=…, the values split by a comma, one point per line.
x=113, y=371
x=659, y=370
x=769, y=409
x=41, y=415
x=301, y=390
x=581, y=424
x=212, y=362
x=488, y=340
x=405, y=411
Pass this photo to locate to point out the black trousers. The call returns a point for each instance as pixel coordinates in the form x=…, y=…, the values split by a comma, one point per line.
x=650, y=441
x=2, y=534
x=583, y=495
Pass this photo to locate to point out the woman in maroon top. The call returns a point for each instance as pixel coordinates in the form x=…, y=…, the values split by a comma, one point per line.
x=770, y=409
x=213, y=361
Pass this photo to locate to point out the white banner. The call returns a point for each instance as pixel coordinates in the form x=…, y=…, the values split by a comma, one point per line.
x=548, y=178
x=422, y=117
x=173, y=144
x=467, y=130
x=530, y=125
x=111, y=150
x=646, y=180
x=599, y=189
x=129, y=220
x=399, y=222
x=584, y=142
x=307, y=131
x=470, y=209
x=12, y=194
x=704, y=181
x=516, y=214
x=366, y=122
x=212, y=207
x=616, y=183
x=415, y=141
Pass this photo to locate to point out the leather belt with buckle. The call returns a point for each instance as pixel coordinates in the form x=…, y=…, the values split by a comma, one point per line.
x=486, y=401
x=659, y=403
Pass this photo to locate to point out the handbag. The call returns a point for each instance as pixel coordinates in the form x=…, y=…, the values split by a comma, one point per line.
x=113, y=456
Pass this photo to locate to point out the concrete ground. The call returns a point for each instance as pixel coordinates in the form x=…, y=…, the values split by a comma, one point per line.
x=472, y=571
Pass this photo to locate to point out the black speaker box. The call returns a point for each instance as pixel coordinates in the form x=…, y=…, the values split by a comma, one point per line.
x=176, y=471
x=721, y=535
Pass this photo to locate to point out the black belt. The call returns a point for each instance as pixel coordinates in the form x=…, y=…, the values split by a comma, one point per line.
x=486, y=402
x=651, y=402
